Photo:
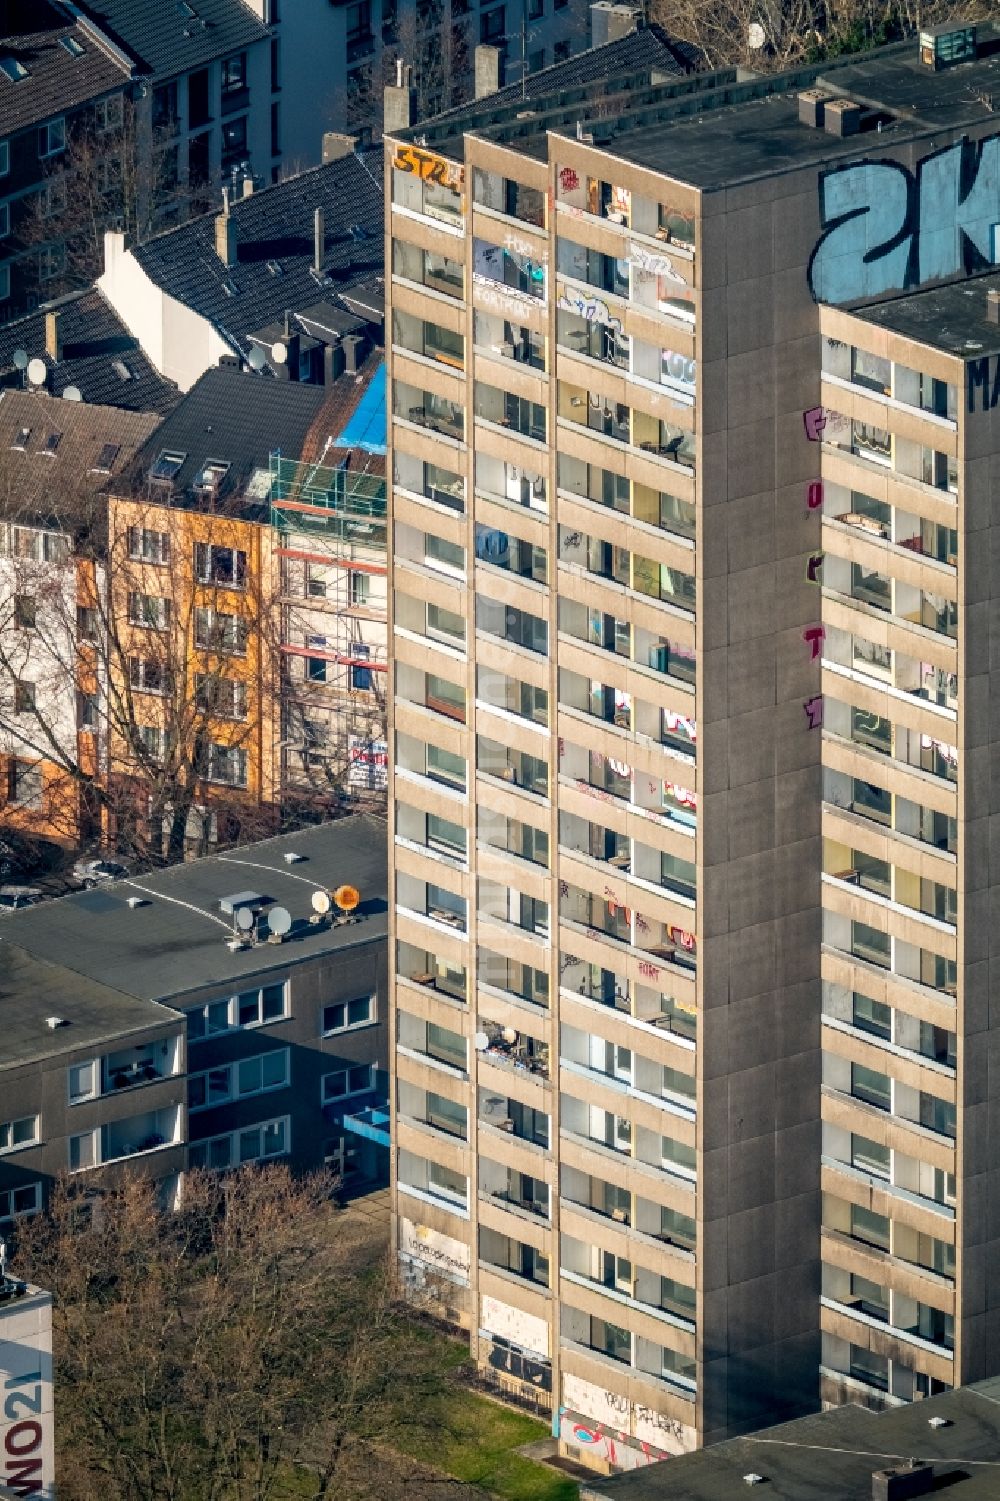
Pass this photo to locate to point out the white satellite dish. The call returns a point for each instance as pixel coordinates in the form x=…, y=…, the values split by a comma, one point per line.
x=756, y=36
x=279, y=352
x=482, y=1041
x=72, y=393
x=279, y=920
x=37, y=372
x=21, y=359
x=321, y=902
x=256, y=359
x=509, y=1034
x=244, y=919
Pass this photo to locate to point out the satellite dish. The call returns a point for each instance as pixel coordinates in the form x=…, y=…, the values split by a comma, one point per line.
x=756, y=36
x=347, y=898
x=256, y=359
x=37, y=372
x=21, y=359
x=279, y=352
x=244, y=919
x=72, y=393
x=321, y=902
x=509, y=1034
x=482, y=1041
x=279, y=920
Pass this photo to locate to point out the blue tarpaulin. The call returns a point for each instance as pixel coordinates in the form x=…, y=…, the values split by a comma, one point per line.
x=366, y=427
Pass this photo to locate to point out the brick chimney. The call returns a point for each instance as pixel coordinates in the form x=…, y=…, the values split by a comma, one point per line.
x=225, y=233
x=53, y=335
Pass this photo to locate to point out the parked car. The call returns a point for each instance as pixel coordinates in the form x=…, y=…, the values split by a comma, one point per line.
x=90, y=873
x=25, y=858
x=13, y=898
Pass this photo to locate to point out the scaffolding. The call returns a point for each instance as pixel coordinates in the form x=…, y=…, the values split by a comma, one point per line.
x=330, y=525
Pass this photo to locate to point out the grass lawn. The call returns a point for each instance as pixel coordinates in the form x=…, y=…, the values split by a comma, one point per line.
x=474, y=1440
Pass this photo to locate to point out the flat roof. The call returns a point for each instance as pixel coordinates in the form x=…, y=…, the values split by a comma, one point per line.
x=176, y=942
x=32, y=989
x=834, y=1454
x=950, y=318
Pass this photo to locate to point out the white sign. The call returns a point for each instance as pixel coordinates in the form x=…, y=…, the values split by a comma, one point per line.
x=27, y=1442
x=522, y=1329
x=367, y=762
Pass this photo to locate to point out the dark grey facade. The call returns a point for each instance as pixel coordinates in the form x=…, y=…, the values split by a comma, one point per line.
x=161, y=1042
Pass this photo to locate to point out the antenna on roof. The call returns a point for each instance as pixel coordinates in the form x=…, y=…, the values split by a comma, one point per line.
x=279, y=921
x=256, y=359
x=37, y=372
x=20, y=358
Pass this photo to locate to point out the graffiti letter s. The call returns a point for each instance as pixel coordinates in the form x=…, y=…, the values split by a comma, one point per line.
x=867, y=214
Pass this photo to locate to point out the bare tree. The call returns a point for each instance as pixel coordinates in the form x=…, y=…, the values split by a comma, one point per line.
x=248, y=1347
x=140, y=665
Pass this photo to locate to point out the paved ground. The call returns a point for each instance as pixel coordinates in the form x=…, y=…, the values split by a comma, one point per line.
x=370, y=1211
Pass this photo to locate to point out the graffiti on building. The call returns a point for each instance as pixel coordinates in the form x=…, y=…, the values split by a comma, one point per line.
x=980, y=377
x=888, y=229
x=814, y=496
x=593, y=309
x=654, y=263
x=430, y=168
x=814, y=712
x=814, y=421
x=814, y=636
x=814, y=568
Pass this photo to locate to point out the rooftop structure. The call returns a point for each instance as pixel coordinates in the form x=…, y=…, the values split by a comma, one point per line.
x=166, y=39
x=951, y=1443
x=51, y=63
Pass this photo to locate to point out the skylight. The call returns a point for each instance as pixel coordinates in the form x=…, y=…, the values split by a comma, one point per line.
x=106, y=458
x=21, y=441
x=167, y=465
x=12, y=69
x=187, y=10
x=121, y=369
x=212, y=475
x=74, y=47
x=51, y=444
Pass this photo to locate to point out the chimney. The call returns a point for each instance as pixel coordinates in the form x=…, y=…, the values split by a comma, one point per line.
x=609, y=23
x=337, y=144
x=248, y=186
x=333, y=363
x=355, y=348
x=225, y=233
x=902, y=1482
x=53, y=336
x=400, y=106
x=489, y=71
x=319, y=242
x=992, y=305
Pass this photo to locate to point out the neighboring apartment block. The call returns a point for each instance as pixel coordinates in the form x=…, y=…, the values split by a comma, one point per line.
x=690, y=597
x=257, y=1033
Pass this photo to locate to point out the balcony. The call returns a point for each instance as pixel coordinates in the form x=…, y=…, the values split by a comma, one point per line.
x=506, y=1048
x=128, y=1068
x=514, y=1118
x=138, y=1134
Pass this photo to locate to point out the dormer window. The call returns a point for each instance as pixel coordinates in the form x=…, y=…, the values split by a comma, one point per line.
x=167, y=466
x=211, y=476
x=21, y=441
x=11, y=68
x=51, y=444
x=106, y=458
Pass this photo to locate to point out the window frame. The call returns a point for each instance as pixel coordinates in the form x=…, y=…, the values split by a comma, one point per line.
x=348, y=1026
x=349, y=1092
x=19, y=1146
x=234, y=1090
x=232, y=1002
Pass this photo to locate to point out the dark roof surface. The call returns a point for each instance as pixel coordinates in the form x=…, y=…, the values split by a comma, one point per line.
x=951, y=318
x=176, y=942
x=274, y=230
x=57, y=81
x=33, y=988
x=99, y=355
x=831, y=1456
x=159, y=34
x=234, y=417
x=45, y=484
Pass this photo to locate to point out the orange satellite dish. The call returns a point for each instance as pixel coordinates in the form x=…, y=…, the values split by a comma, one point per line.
x=347, y=898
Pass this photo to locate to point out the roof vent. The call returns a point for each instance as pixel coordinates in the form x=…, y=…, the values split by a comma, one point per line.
x=841, y=117
x=55, y=1022
x=945, y=46
x=231, y=904
x=754, y=1479
x=938, y=1422
x=292, y=857
x=137, y=901
x=902, y=1482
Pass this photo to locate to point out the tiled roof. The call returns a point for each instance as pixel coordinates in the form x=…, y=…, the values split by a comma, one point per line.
x=236, y=418
x=47, y=483
x=274, y=230
x=161, y=35
x=57, y=81
x=99, y=356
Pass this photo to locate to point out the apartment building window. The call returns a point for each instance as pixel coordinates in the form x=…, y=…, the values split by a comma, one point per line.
x=254, y=1144
x=234, y=75
x=86, y=623
x=109, y=114
x=19, y=1133
x=226, y=698
x=344, y=1016
x=869, y=1156
x=52, y=138
x=560, y=50
x=227, y=764
x=220, y=565
x=148, y=675
x=165, y=107
x=239, y=1081
x=359, y=587
x=872, y=1087
x=150, y=611
x=52, y=198
x=276, y=128
x=24, y=697
x=25, y=610
x=34, y=545
x=870, y=1227
x=251, y=1008
x=316, y=667
x=234, y=141
x=24, y=784
x=51, y=261
x=361, y=675
x=87, y=711
x=359, y=29
x=872, y=1016
x=151, y=739
x=148, y=546
x=345, y=1083
x=275, y=64
x=493, y=25
x=215, y=630
x=18, y=1203
x=198, y=106
x=4, y=158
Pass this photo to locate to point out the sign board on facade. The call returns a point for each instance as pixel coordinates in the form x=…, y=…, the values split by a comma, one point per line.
x=27, y=1445
x=367, y=763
